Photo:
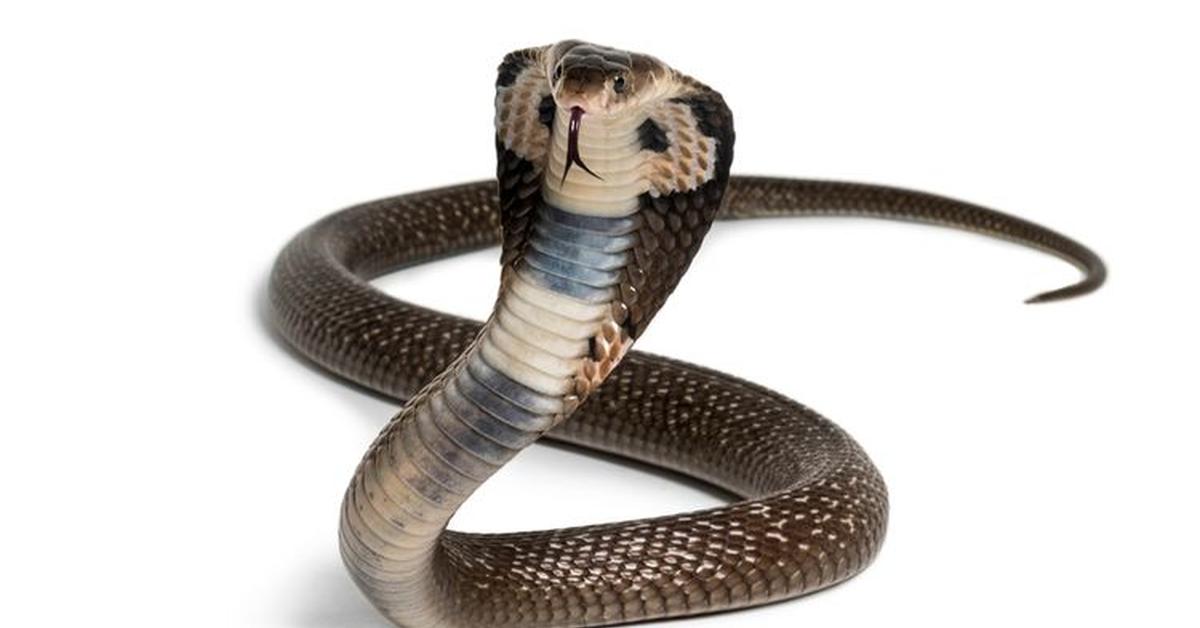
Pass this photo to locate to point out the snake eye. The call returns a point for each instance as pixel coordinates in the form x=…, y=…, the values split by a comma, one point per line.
x=619, y=84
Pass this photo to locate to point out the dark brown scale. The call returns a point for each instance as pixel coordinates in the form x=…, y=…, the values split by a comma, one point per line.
x=519, y=186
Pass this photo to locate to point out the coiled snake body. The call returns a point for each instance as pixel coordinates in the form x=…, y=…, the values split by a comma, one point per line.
x=611, y=168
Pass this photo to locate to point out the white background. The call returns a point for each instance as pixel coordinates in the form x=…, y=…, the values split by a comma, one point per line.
x=165, y=462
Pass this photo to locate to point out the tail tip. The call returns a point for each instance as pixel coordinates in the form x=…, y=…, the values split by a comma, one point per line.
x=1062, y=294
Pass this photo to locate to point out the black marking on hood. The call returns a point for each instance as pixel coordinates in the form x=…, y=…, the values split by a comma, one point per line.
x=546, y=110
x=652, y=136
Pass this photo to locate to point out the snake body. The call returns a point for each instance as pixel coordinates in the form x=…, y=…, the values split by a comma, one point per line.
x=611, y=166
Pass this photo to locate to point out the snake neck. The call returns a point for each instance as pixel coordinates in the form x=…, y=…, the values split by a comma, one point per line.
x=611, y=148
x=555, y=328
x=553, y=336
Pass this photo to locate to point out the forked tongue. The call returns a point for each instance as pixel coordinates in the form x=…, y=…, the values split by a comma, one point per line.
x=573, y=145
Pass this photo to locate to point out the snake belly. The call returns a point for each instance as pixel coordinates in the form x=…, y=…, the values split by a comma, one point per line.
x=589, y=254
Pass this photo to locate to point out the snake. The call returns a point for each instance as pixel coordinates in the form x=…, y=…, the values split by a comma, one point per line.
x=611, y=168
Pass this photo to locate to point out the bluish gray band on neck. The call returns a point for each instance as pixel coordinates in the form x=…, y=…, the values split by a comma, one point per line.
x=583, y=238
x=599, y=224
x=574, y=271
x=578, y=255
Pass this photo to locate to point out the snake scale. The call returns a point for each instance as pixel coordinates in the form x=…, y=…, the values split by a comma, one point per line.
x=611, y=167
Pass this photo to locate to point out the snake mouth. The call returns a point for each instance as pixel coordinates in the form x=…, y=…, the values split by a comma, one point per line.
x=573, y=157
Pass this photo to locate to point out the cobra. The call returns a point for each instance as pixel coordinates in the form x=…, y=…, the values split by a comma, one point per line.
x=611, y=167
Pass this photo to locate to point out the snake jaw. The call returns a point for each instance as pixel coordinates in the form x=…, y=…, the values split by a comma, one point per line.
x=573, y=145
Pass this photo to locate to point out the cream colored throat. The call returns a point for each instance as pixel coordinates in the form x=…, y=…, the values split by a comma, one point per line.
x=610, y=147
